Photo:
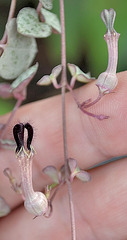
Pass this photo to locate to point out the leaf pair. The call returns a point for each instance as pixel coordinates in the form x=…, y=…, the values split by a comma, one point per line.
x=59, y=176
x=76, y=72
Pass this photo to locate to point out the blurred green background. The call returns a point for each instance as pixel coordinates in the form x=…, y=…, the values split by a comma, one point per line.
x=84, y=39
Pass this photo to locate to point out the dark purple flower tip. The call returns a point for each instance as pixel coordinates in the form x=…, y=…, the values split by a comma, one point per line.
x=18, y=133
x=30, y=134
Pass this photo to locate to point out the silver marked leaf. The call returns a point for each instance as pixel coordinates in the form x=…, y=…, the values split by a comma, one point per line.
x=18, y=54
x=4, y=208
x=47, y=4
x=28, y=24
x=51, y=19
x=52, y=172
x=23, y=80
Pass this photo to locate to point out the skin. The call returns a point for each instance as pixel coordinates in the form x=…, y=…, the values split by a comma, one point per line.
x=101, y=204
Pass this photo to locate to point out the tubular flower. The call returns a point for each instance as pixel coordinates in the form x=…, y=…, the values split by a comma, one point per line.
x=107, y=80
x=35, y=202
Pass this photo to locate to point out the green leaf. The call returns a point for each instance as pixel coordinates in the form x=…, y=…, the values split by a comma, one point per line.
x=30, y=72
x=28, y=24
x=18, y=54
x=47, y=4
x=51, y=19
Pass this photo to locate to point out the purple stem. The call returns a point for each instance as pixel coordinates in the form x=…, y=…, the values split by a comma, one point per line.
x=64, y=84
x=87, y=105
x=99, y=117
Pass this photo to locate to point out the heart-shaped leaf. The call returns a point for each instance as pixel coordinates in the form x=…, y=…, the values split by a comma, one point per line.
x=30, y=72
x=47, y=4
x=51, y=19
x=18, y=54
x=28, y=24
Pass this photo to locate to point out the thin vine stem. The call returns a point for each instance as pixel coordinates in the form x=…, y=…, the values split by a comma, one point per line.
x=63, y=89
